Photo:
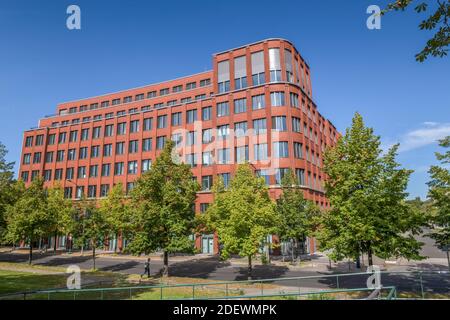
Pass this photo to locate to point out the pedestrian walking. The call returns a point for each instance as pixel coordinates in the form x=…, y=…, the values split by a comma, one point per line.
x=147, y=268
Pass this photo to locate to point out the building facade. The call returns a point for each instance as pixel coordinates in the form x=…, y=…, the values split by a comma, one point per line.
x=255, y=106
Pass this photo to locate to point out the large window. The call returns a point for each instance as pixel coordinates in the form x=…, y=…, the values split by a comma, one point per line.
x=207, y=182
x=191, y=116
x=296, y=124
x=72, y=136
x=132, y=167
x=258, y=102
x=242, y=155
x=300, y=175
x=240, y=129
x=146, y=165
x=96, y=132
x=240, y=105
x=133, y=146
x=240, y=73
x=223, y=132
x=206, y=113
x=298, y=150
x=162, y=122
x=85, y=134
x=277, y=99
x=258, y=75
x=191, y=138
x=118, y=168
x=191, y=159
x=109, y=130
x=176, y=119
x=223, y=76
x=223, y=109
x=207, y=158
x=259, y=126
x=274, y=64
x=147, y=144
x=106, y=169
x=107, y=150
x=134, y=126
x=148, y=124
x=224, y=156
x=120, y=148
x=280, y=173
x=121, y=128
x=160, y=142
x=280, y=149
x=294, y=100
x=207, y=136
x=260, y=151
x=288, y=63
x=279, y=123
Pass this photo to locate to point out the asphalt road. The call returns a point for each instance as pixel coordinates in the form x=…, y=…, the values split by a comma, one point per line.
x=212, y=269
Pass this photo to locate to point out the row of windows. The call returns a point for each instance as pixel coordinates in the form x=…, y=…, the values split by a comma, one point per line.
x=314, y=181
x=137, y=97
x=258, y=70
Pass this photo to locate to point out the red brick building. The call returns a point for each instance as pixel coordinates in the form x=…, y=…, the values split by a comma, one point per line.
x=255, y=105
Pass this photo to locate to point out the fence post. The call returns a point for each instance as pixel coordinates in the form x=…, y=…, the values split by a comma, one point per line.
x=262, y=288
x=226, y=289
x=337, y=282
x=421, y=286
x=161, y=296
x=193, y=292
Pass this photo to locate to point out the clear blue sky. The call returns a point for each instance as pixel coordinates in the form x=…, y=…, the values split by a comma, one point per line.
x=131, y=43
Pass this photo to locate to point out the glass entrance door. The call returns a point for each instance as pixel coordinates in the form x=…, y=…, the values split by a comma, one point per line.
x=208, y=244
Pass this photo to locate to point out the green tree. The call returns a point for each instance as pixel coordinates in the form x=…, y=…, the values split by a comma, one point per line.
x=298, y=215
x=161, y=208
x=438, y=20
x=7, y=196
x=114, y=210
x=27, y=219
x=439, y=193
x=366, y=189
x=90, y=226
x=60, y=211
x=243, y=215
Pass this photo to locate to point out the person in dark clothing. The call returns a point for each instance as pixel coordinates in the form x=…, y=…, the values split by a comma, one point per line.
x=147, y=268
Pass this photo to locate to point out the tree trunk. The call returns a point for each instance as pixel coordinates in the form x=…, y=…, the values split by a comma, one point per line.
x=249, y=275
x=54, y=244
x=30, y=255
x=166, y=264
x=369, y=256
x=358, y=263
x=93, y=255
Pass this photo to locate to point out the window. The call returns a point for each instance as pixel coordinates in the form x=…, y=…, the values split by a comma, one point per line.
x=240, y=105
x=147, y=144
x=186, y=100
x=148, y=124
x=34, y=174
x=191, y=159
x=49, y=157
x=96, y=132
x=298, y=150
x=29, y=142
x=146, y=165
x=121, y=128
x=203, y=207
x=133, y=146
x=240, y=73
x=118, y=168
x=274, y=64
x=120, y=148
x=258, y=102
x=51, y=139
x=206, y=113
x=26, y=158
x=288, y=63
x=296, y=124
x=279, y=123
x=60, y=156
x=294, y=100
x=130, y=186
x=104, y=104
x=191, y=85
x=151, y=94
x=176, y=119
x=93, y=106
x=207, y=182
x=205, y=82
x=207, y=158
x=69, y=173
x=260, y=151
x=263, y=174
x=85, y=134
x=62, y=137
x=280, y=149
x=223, y=76
x=104, y=190
x=107, y=150
x=160, y=142
x=223, y=109
x=224, y=156
x=177, y=88
x=83, y=153
x=92, y=191
x=95, y=151
x=277, y=99
x=240, y=129
x=40, y=140
x=191, y=116
x=71, y=154
x=259, y=126
x=132, y=167
x=200, y=97
x=24, y=176
x=300, y=175
x=162, y=121
x=177, y=138
x=280, y=173
x=207, y=136
x=58, y=174
x=81, y=172
x=223, y=132
x=258, y=75
x=68, y=192
x=109, y=130
x=164, y=92
x=73, y=135
x=37, y=157
x=242, y=155
x=191, y=138
x=106, y=169
x=93, y=171
x=134, y=126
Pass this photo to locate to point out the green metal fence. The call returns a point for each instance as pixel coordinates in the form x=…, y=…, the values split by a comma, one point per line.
x=401, y=284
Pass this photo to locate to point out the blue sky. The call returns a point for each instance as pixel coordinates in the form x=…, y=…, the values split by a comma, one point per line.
x=124, y=44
